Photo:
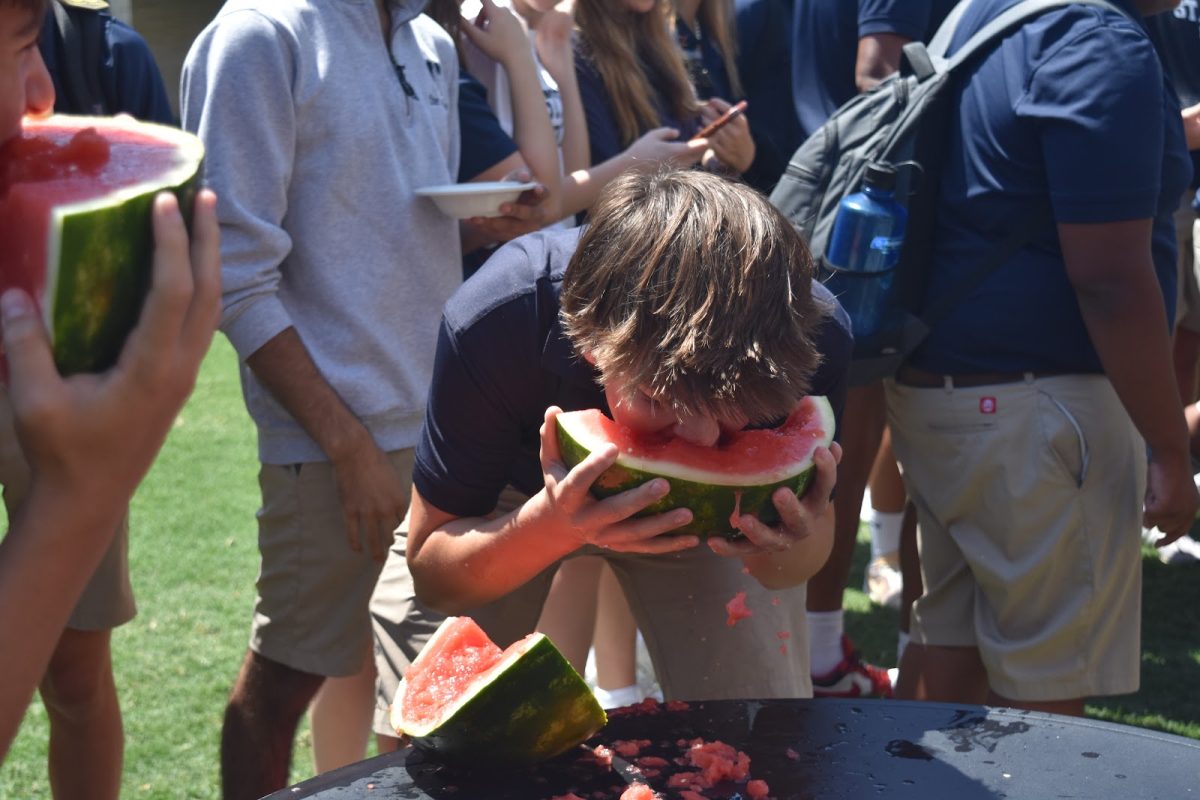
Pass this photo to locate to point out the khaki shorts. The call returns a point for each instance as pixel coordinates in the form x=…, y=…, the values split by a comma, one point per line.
x=311, y=609
x=1187, y=305
x=678, y=601
x=107, y=600
x=1029, y=497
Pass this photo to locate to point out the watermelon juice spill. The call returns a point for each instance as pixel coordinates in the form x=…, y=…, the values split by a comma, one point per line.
x=75, y=197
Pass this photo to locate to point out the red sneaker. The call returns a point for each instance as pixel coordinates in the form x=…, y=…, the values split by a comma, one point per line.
x=853, y=677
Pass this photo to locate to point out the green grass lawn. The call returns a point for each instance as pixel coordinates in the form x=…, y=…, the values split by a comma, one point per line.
x=194, y=562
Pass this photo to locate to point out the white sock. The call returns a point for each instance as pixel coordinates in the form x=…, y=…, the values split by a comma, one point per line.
x=885, y=532
x=625, y=696
x=901, y=645
x=825, y=640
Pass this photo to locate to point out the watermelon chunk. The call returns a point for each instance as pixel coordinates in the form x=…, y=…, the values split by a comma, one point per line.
x=467, y=701
x=740, y=473
x=75, y=197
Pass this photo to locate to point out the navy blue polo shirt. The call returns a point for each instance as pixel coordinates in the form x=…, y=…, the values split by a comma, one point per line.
x=128, y=79
x=604, y=137
x=825, y=36
x=764, y=62
x=502, y=359
x=1072, y=107
x=484, y=142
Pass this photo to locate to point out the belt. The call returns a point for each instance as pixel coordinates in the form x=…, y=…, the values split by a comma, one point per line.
x=921, y=379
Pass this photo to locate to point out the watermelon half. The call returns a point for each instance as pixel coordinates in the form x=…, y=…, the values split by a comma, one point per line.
x=467, y=701
x=75, y=197
x=738, y=474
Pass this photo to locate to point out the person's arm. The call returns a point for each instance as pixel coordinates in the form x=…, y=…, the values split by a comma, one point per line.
x=553, y=37
x=460, y=563
x=504, y=40
x=732, y=146
x=250, y=160
x=90, y=439
x=1110, y=267
x=1191, y=126
x=878, y=57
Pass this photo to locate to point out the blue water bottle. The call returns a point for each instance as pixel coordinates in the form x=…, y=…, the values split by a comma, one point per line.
x=864, y=248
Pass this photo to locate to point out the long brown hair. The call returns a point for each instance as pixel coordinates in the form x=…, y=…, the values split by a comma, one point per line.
x=638, y=61
x=717, y=19
x=448, y=14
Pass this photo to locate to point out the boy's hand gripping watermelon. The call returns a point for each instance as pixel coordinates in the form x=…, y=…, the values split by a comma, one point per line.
x=467, y=701
x=75, y=201
x=736, y=476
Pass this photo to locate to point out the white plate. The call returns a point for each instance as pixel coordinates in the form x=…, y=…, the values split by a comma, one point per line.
x=462, y=200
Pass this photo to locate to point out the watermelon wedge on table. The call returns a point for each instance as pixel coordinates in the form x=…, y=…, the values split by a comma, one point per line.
x=75, y=198
x=736, y=476
x=469, y=702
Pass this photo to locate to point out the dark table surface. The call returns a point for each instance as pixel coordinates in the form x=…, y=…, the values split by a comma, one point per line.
x=825, y=749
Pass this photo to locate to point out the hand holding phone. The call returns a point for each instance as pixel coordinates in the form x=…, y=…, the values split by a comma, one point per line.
x=733, y=113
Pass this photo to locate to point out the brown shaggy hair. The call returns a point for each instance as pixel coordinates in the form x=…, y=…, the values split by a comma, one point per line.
x=698, y=290
x=639, y=62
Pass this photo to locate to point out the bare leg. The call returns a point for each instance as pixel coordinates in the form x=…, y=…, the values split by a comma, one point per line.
x=569, y=614
x=942, y=674
x=887, y=487
x=260, y=725
x=389, y=744
x=341, y=716
x=616, y=636
x=86, y=737
x=1186, y=354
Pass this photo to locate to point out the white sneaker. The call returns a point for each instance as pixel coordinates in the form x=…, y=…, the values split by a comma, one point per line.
x=882, y=581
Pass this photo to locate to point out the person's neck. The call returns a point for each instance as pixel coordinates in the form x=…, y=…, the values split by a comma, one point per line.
x=385, y=18
x=687, y=10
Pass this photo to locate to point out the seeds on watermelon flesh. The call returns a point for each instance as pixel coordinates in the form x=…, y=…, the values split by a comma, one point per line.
x=466, y=701
x=736, y=476
x=75, y=199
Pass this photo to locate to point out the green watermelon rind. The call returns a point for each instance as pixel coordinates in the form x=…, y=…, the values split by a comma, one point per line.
x=100, y=253
x=534, y=707
x=712, y=504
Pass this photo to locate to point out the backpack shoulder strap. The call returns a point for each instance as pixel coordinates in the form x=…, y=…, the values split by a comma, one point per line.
x=81, y=37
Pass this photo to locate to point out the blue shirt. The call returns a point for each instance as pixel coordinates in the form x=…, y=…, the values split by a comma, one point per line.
x=484, y=142
x=1072, y=107
x=604, y=137
x=128, y=79
x=765, y=66
x=502, y=359
x=825, y=36
x=1176, y=37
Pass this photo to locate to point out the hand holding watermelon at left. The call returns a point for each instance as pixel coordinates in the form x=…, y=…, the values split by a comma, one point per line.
x=792, y=551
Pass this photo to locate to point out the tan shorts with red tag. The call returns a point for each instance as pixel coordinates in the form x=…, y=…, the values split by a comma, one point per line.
x=107, y=600
x=1029, y=497
x=677, y=599
x=311, y=609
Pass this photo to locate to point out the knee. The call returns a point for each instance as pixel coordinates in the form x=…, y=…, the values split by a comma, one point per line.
x=266, y=689
x=79, y=677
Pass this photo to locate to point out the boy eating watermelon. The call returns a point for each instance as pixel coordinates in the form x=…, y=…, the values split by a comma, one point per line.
x=686, y=308
x=90, y=438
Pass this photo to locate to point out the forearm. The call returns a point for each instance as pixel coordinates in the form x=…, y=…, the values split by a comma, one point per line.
x=531, y=127
x=582, y=187
x=286, y=369
x=469, y=561
x=53, y=546
x=1128, y=328
x=576, y=150
x=799, y=562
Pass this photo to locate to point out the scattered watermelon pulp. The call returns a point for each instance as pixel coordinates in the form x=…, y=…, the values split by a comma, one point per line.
x=75, y=198
x=739, y=473
x=467, y=701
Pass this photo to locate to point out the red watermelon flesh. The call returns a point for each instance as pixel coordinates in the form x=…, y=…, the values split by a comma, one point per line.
x=462, y=655
x=75, y=196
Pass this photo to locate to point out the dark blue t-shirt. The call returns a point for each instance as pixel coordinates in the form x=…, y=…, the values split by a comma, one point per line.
x=484, y=142
x=825, y=36
x=1072, y=107
x=1176, y=36
x=128, y=80
x=502, y=359
x=765, y=66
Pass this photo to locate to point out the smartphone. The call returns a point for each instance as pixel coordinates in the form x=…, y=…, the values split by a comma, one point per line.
x=733, y=113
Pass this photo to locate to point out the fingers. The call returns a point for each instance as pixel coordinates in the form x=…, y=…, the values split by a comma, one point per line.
x=550, y=456
x=817, y=496
x=171, y=289
x=205, y=310
x=353, y=536
x=27, y=347
x=620, y=507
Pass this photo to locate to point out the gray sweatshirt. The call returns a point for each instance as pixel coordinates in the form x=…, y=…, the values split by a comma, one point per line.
x=316, y=139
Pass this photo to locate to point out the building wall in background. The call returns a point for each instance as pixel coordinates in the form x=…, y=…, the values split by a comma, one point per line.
x=169, y=27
